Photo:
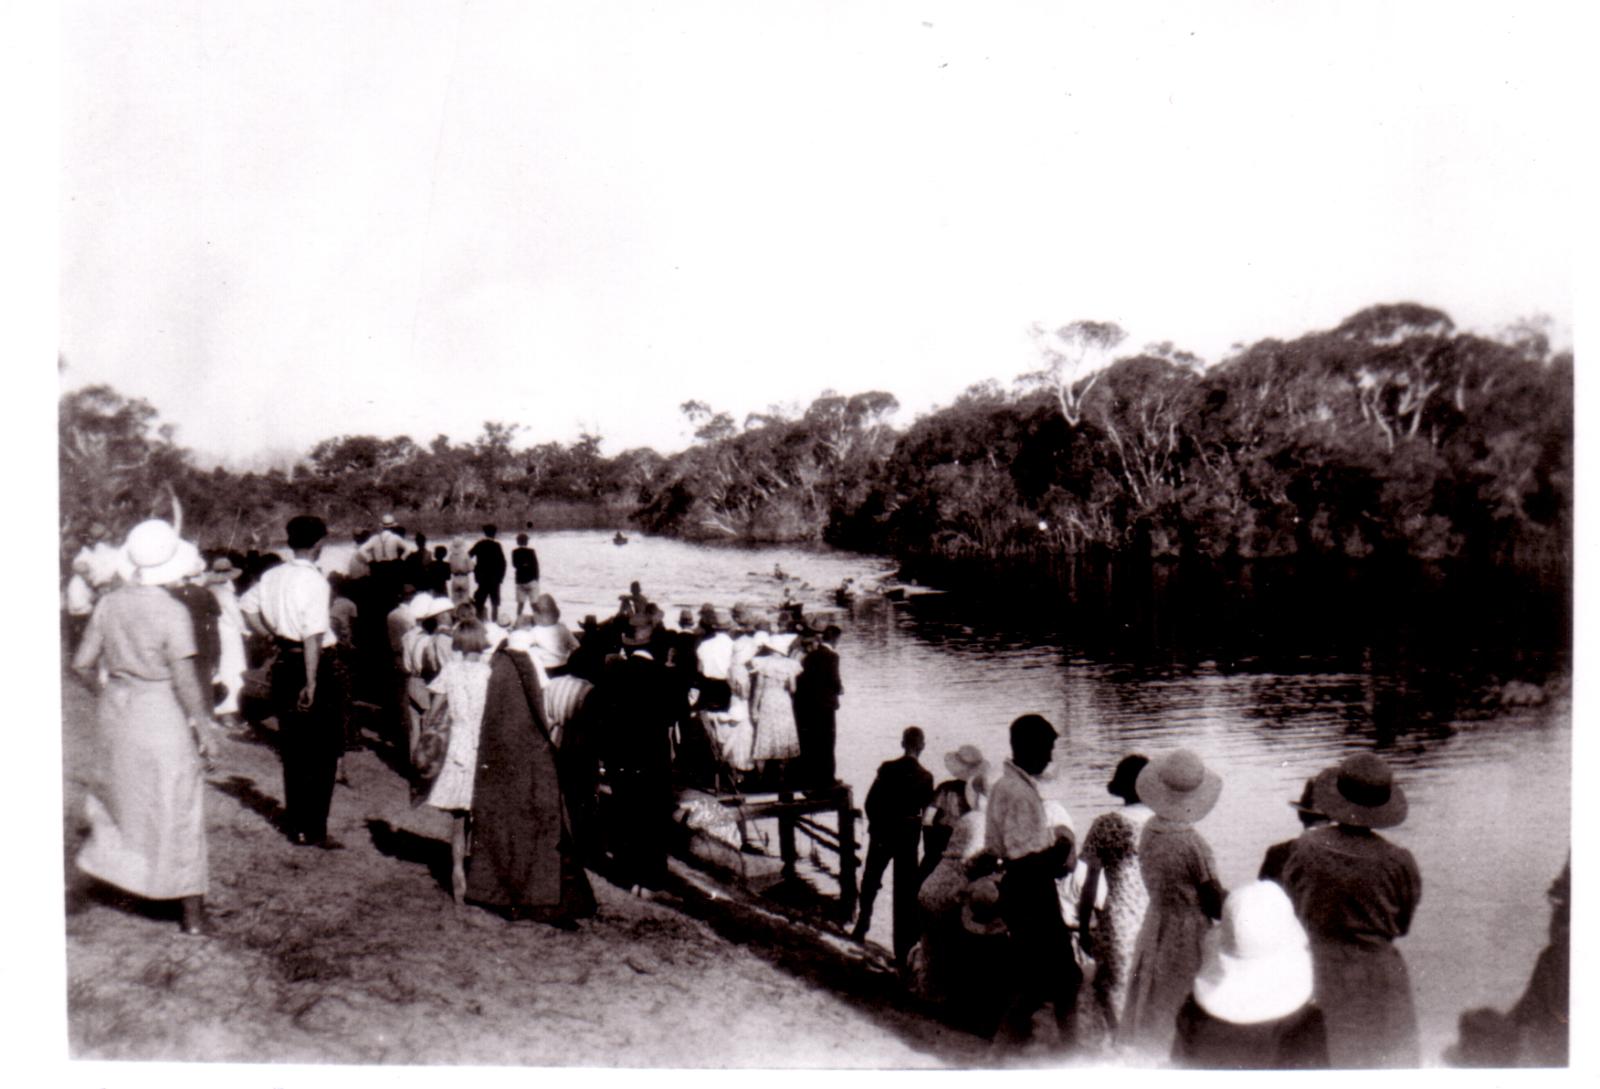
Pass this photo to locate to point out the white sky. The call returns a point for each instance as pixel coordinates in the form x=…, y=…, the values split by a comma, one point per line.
x=286, y=221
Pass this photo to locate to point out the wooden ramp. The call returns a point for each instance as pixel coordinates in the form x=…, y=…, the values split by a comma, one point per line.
x=725, y=832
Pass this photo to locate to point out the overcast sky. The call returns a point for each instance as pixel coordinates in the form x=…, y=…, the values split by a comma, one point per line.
x=286, y=221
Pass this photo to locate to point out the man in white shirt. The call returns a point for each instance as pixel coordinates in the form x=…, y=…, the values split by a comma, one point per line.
x=388, y=545
x=290, y=604
x=96, y=561
x=714, y=658
x=383, y=553
x=1034, y=851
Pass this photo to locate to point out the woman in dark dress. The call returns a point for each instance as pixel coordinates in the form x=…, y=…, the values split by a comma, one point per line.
x=1251, y=1006
x=1356, y=892
x=523, y=860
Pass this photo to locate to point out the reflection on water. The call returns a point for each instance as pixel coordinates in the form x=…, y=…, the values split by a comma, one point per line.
x=1489, y=792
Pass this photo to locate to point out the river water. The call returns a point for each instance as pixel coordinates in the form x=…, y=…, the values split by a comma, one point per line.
x=1489, y=792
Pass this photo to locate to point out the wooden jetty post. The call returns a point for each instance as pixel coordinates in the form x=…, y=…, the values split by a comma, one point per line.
x=847, y=853
x=786, y=819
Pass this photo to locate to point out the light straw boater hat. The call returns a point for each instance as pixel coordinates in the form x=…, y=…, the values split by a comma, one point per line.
x=1179, y=786
x=1359, y=792
x=1257, y=964
x=967, y=762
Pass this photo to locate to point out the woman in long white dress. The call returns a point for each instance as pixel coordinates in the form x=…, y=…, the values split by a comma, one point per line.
x=463, y=683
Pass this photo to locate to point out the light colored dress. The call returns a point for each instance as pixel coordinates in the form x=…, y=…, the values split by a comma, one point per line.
x=230, y=633
x=1112, y=842
x=464, y=683
x=772, y=680
x=1175, y=862
x=146, y=814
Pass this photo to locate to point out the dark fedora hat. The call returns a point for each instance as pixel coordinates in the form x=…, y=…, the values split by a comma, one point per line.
x=1359, y=792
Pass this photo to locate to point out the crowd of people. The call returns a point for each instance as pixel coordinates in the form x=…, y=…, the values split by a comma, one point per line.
x=1298, y=969
x=558, y=751
x=505, y=718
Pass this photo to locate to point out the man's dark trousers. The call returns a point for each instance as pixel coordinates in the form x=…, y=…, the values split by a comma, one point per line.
x=309, y=743
x=899, y=844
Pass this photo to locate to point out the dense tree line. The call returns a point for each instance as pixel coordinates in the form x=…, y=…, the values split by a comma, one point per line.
x=1392, y=434
x=118, y=465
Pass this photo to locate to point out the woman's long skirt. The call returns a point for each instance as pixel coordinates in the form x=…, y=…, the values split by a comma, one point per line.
x=1365, y=994
x=523, y=852
x=1166, y=958
x=147, y=830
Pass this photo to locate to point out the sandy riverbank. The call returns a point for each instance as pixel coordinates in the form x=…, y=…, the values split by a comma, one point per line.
x=358, y=956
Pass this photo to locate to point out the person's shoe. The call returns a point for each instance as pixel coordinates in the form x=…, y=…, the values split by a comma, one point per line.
x=328, y=843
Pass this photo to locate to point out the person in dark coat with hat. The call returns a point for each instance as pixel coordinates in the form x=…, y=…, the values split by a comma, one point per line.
x=1278, y=853
x=1356, y=892
x=816, y=708
x=638, y=709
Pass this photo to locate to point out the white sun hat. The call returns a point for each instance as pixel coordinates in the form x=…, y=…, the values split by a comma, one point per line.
x=158, y=555
x=1258, y=962
x=425, y=605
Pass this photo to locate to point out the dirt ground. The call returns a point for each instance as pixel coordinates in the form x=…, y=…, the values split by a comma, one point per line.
x=359, y=956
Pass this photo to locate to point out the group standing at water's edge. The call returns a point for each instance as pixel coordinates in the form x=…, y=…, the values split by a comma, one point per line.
x=335, y=653
x=751, y=629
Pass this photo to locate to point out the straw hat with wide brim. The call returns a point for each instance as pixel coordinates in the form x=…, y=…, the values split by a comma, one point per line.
x=1257, y=964
x=1179, y=786
x=1359, y=792
x=966, y=763
x=425, y=605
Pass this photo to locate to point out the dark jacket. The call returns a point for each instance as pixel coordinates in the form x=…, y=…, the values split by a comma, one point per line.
x=902, y=790
x=818, y=684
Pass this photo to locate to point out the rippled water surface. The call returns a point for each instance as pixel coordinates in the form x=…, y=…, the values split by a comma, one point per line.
x=1490, y=794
